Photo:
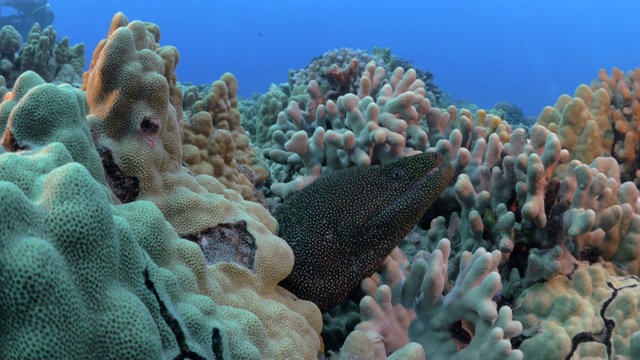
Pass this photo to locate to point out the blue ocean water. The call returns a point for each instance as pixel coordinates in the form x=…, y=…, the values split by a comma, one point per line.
x=524, y=52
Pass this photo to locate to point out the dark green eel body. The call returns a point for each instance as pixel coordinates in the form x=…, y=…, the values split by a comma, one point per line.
x=343, y=225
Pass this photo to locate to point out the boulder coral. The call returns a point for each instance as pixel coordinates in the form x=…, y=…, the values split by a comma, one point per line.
x=123, y=265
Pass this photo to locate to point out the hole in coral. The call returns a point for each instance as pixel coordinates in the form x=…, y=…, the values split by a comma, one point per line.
x=150, y=124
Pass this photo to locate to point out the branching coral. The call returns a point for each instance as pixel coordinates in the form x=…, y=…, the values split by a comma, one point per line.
x=623, y=116
x=428, y=313
x=351, y=131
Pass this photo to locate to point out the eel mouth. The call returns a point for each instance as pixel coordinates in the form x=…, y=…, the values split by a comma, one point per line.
x=442, y=169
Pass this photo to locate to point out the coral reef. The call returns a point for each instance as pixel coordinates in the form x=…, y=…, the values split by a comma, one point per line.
x=358, y=129
x=135, y=221
x=546, y=204
x=392, y=61
x=56, y=62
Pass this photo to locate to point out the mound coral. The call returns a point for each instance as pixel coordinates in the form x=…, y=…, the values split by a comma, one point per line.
x=215, y=144
x=150, y=292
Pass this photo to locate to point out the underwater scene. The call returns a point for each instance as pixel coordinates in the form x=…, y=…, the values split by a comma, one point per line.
x=336, y=181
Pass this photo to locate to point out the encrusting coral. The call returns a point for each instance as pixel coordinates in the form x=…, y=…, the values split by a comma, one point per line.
x=105, y=281
x=36, y=113
x=592, y=314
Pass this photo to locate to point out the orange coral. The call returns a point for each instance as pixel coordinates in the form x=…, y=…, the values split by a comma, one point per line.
x=343, y=76
x=624, y=90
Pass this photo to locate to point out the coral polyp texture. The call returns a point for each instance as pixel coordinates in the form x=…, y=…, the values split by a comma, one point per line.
x=216, y=144
x=135, y=223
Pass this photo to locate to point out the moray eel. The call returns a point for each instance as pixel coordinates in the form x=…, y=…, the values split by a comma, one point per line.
x=342, y=226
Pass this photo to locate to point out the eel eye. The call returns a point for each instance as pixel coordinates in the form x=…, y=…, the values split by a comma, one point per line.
x=398, y=173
